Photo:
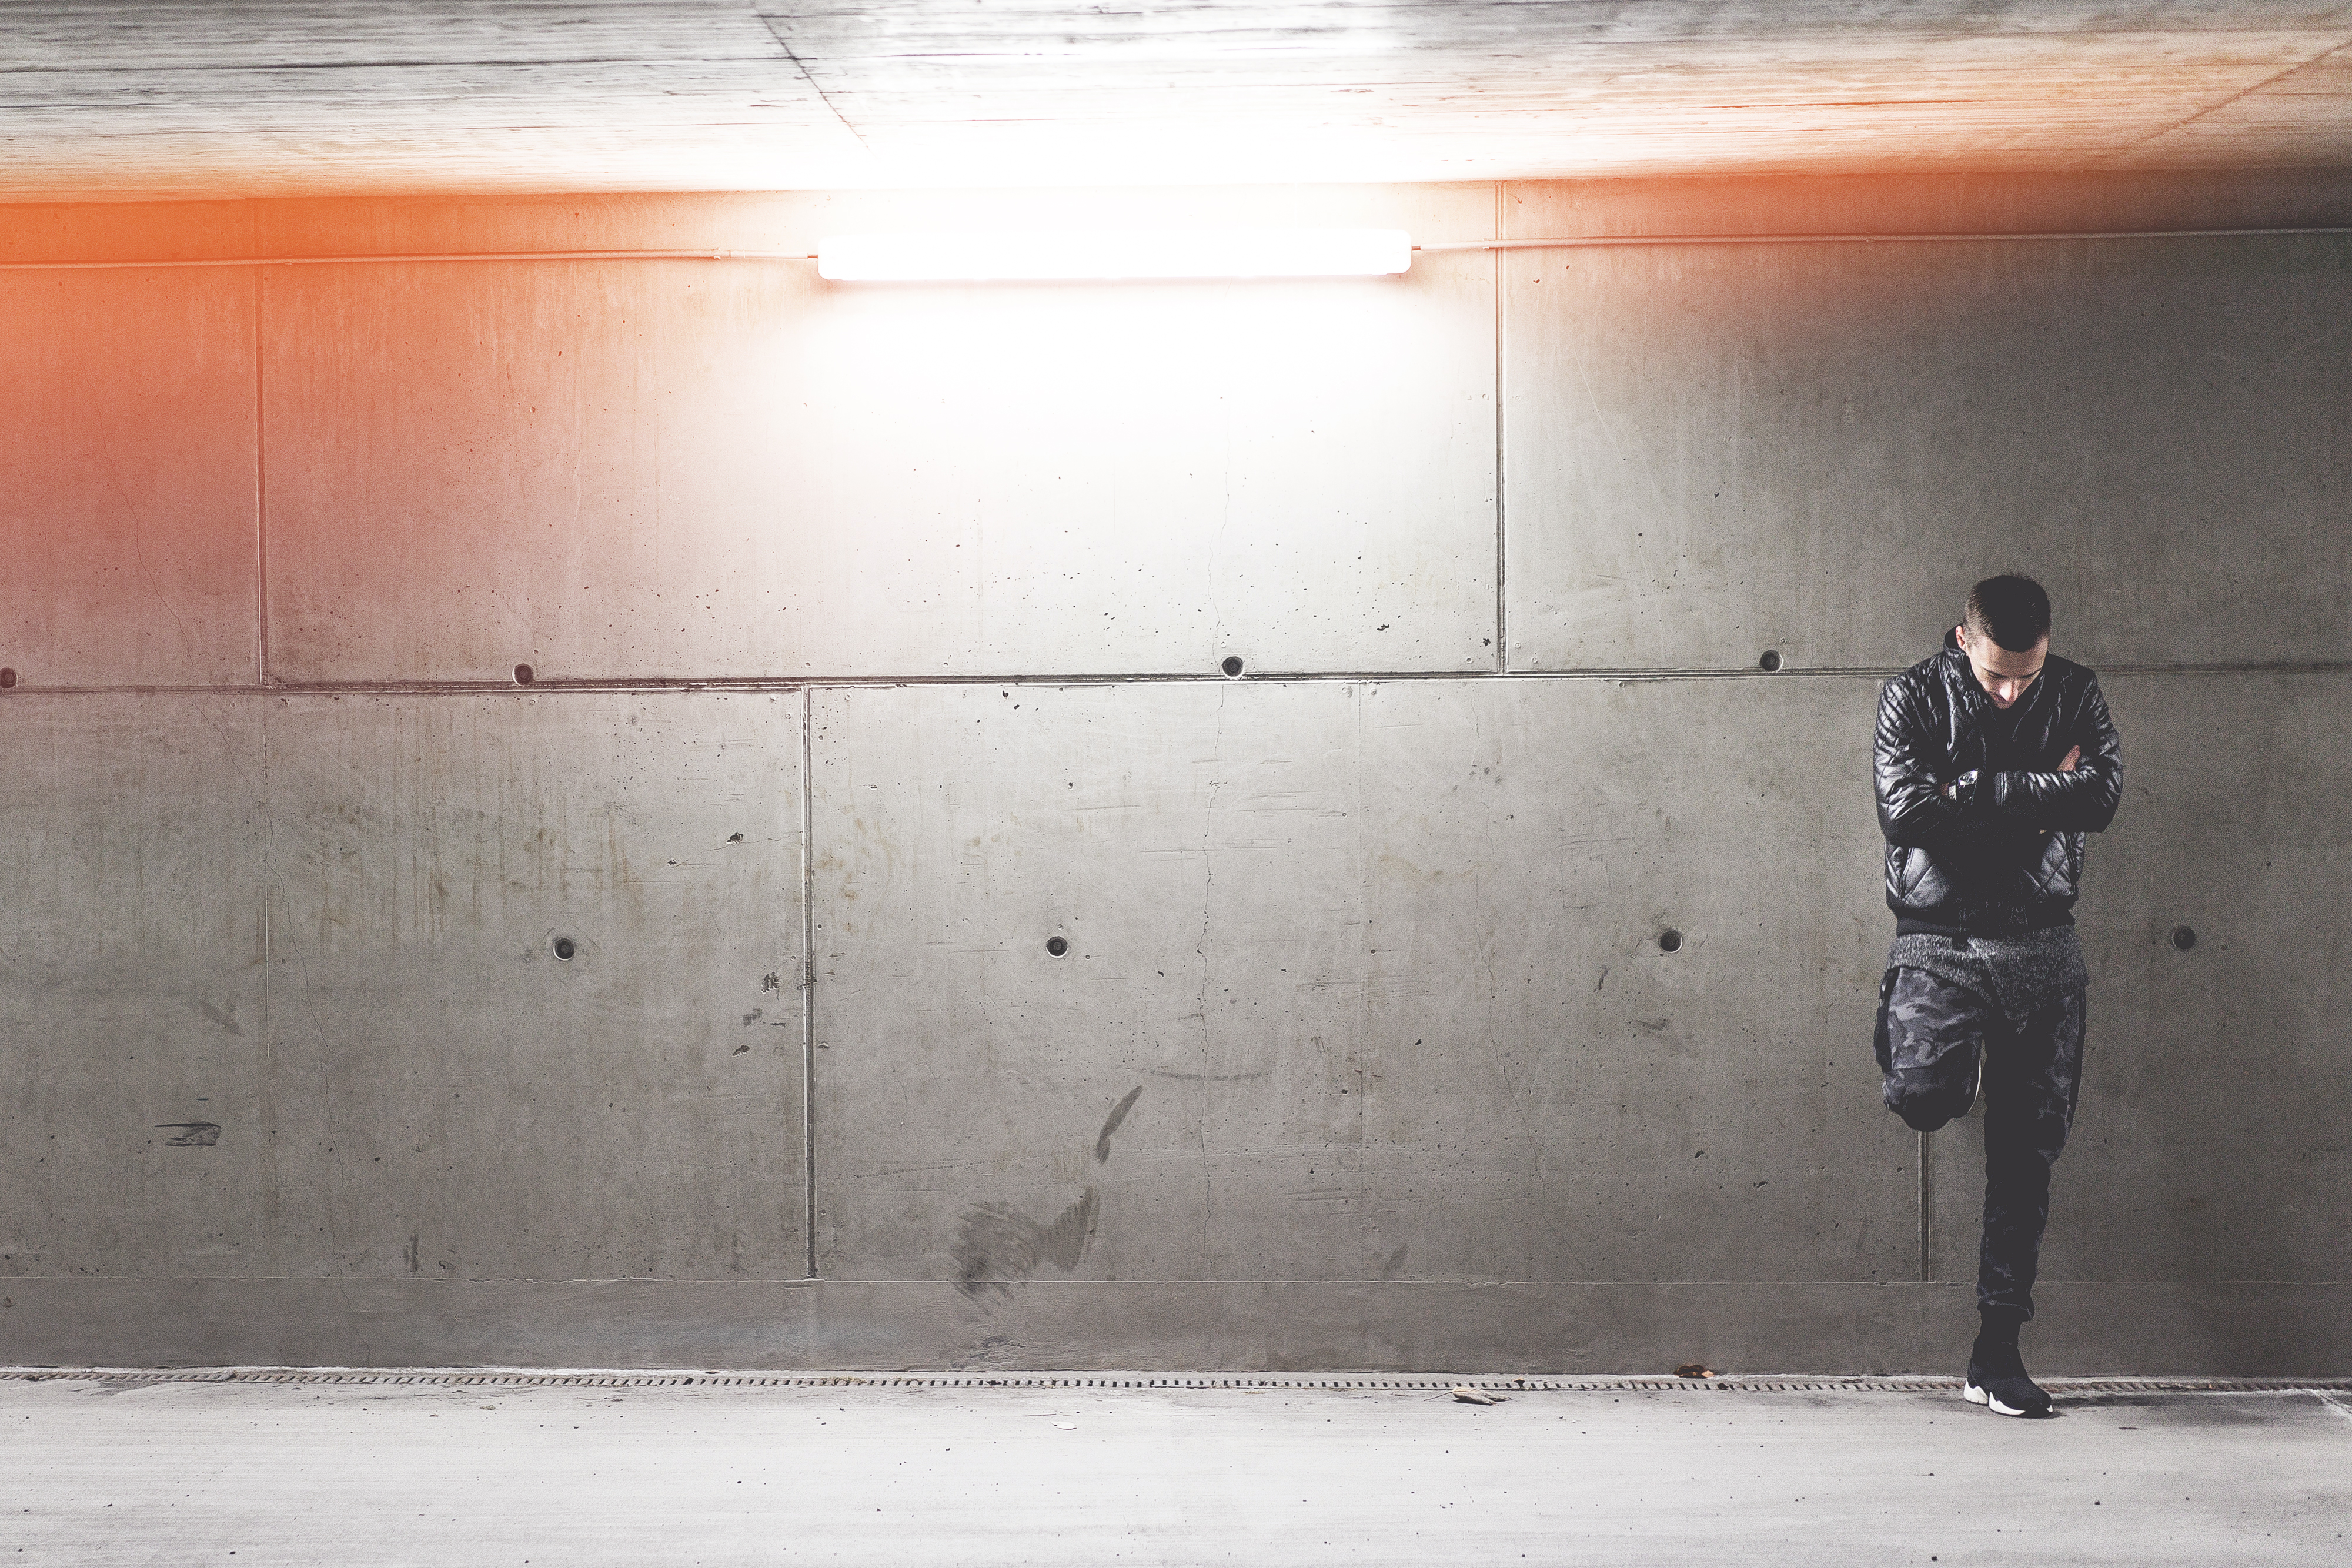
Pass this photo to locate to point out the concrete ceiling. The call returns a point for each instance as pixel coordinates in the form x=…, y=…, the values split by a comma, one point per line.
x=103, y=100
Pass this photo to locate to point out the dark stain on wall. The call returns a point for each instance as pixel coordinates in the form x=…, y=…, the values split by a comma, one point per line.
x=1119, y=1114
x=997, y=1244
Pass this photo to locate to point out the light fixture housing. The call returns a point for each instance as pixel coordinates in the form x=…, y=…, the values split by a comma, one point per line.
x=1106, y=256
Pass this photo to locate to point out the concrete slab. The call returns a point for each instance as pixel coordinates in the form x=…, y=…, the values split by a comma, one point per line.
x=118, y=1471
x=129, y=550
x=698, y=95
x=455, y=1098
x=686, y=469
x=1362, y=982
x=133, y=1108
x=1716, y=451
x=2211, y=1070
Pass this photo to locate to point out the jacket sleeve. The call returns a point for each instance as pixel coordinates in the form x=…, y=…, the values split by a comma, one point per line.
x=1912, y=811
x=2082, y=801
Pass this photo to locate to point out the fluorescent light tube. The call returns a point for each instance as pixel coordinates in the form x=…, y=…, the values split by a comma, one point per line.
x=1103, y=255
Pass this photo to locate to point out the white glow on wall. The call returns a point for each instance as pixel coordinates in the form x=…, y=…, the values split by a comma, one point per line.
x=1102, y=255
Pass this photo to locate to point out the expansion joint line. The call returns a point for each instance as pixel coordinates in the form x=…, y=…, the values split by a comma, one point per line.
x=1927, y=1207
x=808, y=977
x=1502, y=457
x=1557, y=242
x=808, y=76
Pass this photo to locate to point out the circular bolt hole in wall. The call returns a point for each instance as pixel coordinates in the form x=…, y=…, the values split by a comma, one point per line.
x=564, y=948
x=524, y=674
x=1770, y=661
x=1056, y=947
x=1670, y=941
x=8, y=679
x=1232, y=666
x=2183, y=938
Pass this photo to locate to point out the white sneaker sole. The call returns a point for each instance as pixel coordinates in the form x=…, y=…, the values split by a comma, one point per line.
x=1976, y=1396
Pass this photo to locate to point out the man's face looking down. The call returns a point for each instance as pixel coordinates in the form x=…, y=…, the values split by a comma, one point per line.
x=2004, y=675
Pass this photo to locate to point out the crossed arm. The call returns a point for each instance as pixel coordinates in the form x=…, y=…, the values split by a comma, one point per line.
x=1919, y=808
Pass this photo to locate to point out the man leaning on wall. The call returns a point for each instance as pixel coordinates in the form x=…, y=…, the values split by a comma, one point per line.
x=1993, y=759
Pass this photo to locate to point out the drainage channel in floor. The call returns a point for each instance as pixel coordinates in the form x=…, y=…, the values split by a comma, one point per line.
x=1198, y=1382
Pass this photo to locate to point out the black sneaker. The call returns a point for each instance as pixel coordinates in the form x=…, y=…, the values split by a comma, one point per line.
x=1997, y=1379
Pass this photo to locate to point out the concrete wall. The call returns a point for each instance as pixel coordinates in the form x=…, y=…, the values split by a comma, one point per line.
x=877, y=637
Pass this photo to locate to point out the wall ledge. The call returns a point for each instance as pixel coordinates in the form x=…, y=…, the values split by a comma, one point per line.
x=2170, y=1328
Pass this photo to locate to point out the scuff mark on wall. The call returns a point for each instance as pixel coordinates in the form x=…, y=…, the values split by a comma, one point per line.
x=1119, y=1114
x=996, y=1245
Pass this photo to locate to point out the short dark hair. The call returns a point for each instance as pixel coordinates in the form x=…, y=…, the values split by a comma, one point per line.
x=2011, y=610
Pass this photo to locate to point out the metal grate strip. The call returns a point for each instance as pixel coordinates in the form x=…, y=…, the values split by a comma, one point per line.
x=1358, y=1381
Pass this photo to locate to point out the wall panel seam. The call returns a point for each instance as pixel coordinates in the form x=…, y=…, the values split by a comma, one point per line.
x=261, y=492
x=808, y=975
x=1502, y=486
x=780, y=683
x=1547, y=241
x=1927, y=1196
x=264, y=1092
x=1448, y=1281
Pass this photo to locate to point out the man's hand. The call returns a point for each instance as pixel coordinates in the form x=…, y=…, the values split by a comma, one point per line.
x=2065, y=765
x=1951, y=791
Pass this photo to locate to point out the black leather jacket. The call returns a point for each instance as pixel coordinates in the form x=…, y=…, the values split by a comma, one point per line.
x=2005, y=854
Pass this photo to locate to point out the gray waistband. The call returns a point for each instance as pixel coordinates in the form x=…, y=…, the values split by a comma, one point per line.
x=2016, y=974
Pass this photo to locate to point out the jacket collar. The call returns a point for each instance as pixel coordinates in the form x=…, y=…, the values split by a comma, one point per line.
x=1954, y=661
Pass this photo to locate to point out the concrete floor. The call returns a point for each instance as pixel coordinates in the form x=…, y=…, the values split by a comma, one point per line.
x=98, y=1471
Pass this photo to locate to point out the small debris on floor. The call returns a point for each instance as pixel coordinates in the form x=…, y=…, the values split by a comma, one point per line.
x=1469, y=1396
x=1694, y=1369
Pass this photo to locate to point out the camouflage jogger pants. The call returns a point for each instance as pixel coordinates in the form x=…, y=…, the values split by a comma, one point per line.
x=1933, y=1037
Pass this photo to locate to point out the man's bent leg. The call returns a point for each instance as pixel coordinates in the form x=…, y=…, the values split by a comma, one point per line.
x=2033, y=1076
x=1931, y=1038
